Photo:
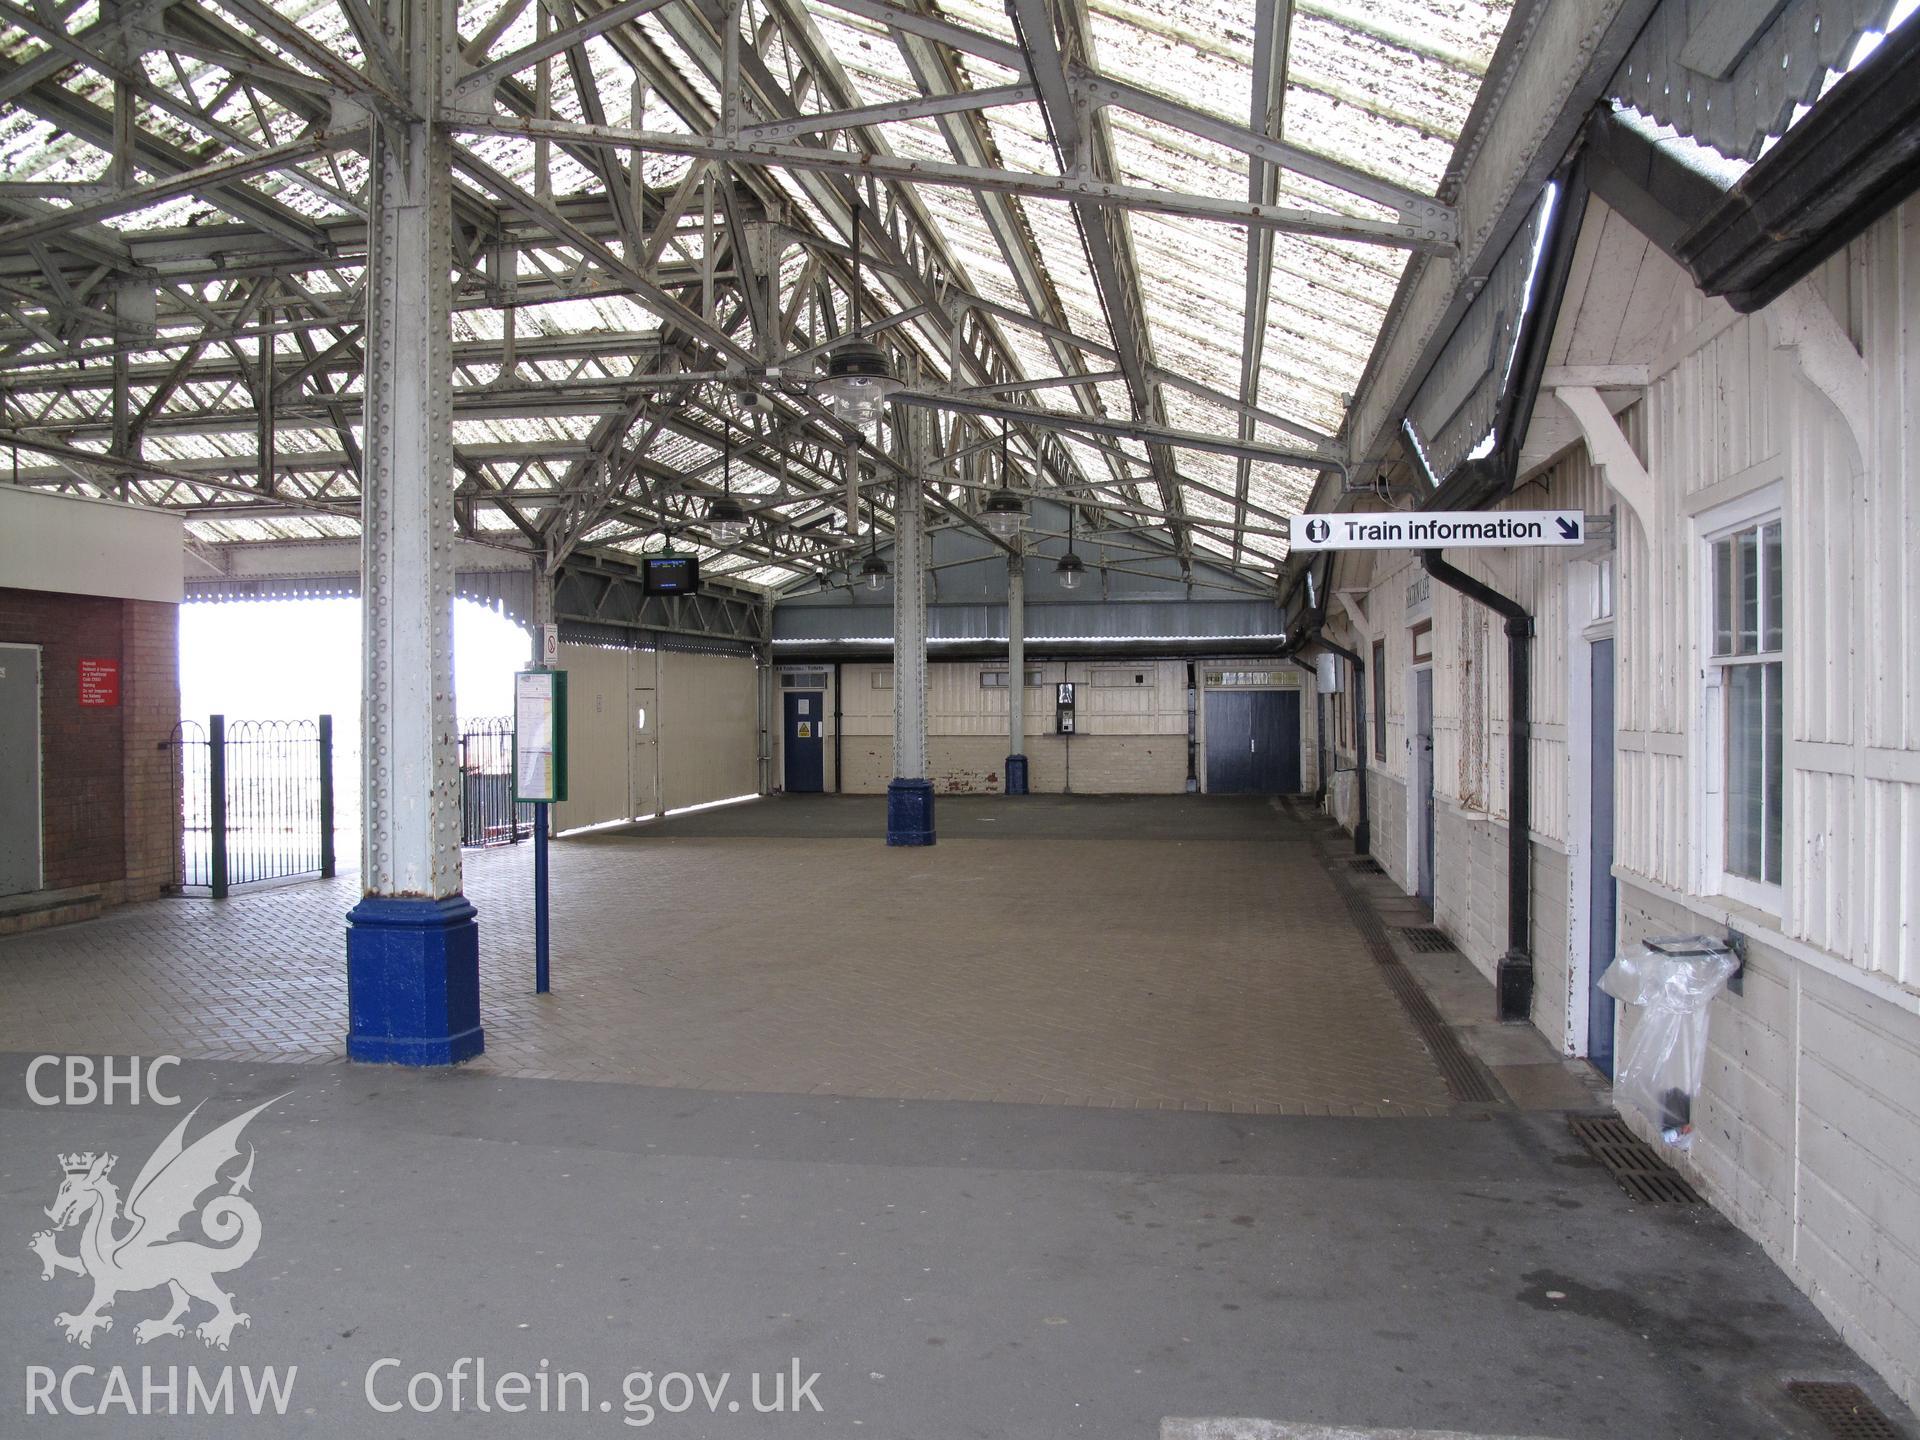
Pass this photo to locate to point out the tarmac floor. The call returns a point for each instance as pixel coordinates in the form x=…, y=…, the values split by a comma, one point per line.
x=947, y=1269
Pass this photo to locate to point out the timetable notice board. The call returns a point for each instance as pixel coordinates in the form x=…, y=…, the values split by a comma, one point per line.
x=540, y=736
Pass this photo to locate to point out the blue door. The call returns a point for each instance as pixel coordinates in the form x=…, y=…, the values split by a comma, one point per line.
x=805, y=773
x=1229, y=742
x=1253, y=742
x=1276, y=742
x=1604, y=888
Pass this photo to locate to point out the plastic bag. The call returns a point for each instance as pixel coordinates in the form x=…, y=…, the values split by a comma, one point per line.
x=1673, y=980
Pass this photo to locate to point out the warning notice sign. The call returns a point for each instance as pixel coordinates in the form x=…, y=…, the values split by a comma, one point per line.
x=100, y=682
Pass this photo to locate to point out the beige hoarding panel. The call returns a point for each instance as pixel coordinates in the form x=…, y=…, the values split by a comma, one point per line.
x=709, y=728
x=643, y=773
x=597, y=688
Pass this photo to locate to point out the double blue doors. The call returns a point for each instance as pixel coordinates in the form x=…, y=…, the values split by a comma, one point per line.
x=1253, y=742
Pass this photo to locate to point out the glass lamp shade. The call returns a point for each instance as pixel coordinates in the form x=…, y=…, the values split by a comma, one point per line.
x=1004, y=513
x=859, y=380
x=1069, y=571
x=874, y=571
x=727, y=519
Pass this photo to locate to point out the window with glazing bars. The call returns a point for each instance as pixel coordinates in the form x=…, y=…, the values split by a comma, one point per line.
x=1748, y=646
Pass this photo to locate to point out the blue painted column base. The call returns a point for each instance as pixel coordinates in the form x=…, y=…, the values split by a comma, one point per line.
x=910, y=812
x=1016, y=774
x=413, y=981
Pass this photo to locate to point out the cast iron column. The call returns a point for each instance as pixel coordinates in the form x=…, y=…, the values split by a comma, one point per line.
x=540, y=588
x=910, y=793
x=413, y=958
x=1017, y=671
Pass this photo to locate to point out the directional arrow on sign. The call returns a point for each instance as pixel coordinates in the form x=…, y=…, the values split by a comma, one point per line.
x=1569, y=529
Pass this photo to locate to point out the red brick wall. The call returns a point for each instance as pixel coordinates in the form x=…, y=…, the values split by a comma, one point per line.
x=150, y=705
x=106, y=789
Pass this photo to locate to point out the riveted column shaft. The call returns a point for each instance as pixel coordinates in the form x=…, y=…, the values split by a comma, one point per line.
x=412, y=943
x=910, y=794
x=1017, y=672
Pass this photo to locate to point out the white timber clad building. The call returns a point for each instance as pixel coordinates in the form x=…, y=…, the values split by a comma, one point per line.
x=1751, y=630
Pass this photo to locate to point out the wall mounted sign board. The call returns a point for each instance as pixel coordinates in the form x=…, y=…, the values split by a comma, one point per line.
x=1439, y=529
x=99, y=683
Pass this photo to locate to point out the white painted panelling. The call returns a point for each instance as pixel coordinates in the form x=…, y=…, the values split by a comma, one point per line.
x=1131, y=738
x=704, y=715
x=1809, y=1131
x=709, y=728
x=598, y=686
x=71, y=545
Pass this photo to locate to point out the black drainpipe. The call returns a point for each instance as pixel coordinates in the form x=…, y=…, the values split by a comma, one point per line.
x=839, y=777
x=1193, y=730
x=1514, y=976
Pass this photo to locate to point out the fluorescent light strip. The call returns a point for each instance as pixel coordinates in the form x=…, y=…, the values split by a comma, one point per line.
x=1039, y=640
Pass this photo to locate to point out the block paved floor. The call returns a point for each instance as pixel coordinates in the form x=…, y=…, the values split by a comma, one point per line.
x=1176, y=952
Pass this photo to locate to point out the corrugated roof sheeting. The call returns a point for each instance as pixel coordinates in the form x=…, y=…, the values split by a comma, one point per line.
x=1383, y=85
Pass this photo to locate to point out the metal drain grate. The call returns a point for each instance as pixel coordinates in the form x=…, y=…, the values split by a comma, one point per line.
x=1463, y=1075
x=1367, y=865
x=1844, y=1409
x=1426, y=940
x=1630, y=1160
x=1466, y=1078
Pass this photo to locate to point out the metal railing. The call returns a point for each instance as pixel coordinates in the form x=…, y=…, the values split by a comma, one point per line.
x=488, y=815
x=255, y=800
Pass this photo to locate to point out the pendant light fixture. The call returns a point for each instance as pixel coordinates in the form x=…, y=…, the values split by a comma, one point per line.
x=859, y=376
x=874, y=571
x=726, y=516
x=1005, y=512
x=1070, y=571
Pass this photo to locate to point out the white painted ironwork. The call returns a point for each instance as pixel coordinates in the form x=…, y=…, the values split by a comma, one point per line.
x=1016, y=653
x=409, y=761
x=675, y=211
x=910, y=602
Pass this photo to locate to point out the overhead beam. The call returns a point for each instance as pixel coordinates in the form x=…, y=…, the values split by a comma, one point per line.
x=1084, y=147
x=484, y=77
x=1272, y=33
x=1546, y=77
x=893, y=112
x=184, y=182
x=1112, y=193
x=1122, y=429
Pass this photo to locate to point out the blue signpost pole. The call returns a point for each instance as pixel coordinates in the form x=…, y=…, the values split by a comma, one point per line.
x=540, y=899
x=539, y=780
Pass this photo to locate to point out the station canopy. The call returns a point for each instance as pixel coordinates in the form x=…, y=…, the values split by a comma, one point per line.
x=1134, y=254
